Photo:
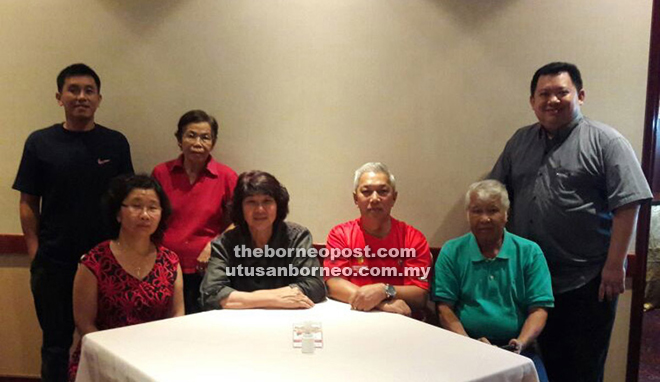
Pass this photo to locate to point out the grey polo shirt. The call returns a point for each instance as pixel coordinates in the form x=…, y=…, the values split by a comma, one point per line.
x=563, y=192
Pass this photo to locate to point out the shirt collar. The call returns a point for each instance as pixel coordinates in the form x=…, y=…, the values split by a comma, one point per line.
x=210, y=168
x=504, y=254
x=392, y=224
x=562, y=133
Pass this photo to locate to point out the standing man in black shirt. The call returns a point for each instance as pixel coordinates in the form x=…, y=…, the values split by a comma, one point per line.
x=64, y=171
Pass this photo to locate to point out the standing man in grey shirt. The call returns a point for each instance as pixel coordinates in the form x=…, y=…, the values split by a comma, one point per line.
x=575, y=187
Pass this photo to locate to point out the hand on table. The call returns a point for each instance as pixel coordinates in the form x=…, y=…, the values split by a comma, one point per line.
x=484, y=340
x=395, y=306
x=367, y=297
x=291, y=298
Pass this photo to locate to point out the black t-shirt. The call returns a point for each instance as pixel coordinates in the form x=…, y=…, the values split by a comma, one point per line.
x=70, y=171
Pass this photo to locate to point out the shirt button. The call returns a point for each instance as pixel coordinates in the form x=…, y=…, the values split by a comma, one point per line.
x=492, y=277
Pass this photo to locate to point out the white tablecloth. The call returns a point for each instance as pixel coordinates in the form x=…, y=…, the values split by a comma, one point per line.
x=256, y=345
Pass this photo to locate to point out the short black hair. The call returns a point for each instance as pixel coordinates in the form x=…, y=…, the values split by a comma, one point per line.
x=119, y=189
x=196, y=116
x=556, y=68
x=253, y=183
x=76, y=70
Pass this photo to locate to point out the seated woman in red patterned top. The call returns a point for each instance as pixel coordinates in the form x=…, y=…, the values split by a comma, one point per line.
x=131, y=279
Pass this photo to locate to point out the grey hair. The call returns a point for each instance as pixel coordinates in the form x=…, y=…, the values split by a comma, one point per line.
x=488, y=189
x=376, y=168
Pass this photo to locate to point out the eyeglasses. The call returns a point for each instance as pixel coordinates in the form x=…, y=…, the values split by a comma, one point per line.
x=138, y=208
x=192, y=137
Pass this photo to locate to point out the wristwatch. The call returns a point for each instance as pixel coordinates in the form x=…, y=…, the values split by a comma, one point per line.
x=390, y=291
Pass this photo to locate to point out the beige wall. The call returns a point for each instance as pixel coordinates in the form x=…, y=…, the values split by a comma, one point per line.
x=311, y=89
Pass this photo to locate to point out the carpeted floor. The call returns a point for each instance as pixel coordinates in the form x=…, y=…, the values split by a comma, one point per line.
x=649, y=368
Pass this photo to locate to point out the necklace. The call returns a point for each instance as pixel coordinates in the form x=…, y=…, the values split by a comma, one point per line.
x=132, y=265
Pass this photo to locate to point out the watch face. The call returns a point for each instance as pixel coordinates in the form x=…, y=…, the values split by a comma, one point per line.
x=390, y=291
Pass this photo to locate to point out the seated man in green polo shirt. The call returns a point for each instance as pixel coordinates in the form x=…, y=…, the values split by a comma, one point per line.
x=492, y=285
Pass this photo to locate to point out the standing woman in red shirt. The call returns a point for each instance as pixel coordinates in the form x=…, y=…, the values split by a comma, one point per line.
x=199, y=189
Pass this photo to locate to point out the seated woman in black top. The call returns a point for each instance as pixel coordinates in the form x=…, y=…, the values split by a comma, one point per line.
x=262, y=262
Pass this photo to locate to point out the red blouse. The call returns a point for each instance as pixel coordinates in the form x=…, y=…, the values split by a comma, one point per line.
x=198, y=210
x=124, y=300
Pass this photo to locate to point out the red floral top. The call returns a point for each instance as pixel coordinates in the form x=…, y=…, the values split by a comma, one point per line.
x=124, y=300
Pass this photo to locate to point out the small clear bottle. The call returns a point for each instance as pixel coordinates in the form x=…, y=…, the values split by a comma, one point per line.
x=308, y=345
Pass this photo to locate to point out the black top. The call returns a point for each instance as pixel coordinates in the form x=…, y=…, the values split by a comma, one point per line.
x=70, y=171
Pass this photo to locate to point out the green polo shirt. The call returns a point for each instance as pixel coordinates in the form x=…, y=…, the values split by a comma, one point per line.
x=492, y=297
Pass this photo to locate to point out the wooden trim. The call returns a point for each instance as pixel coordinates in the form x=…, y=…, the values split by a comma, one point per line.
x=631, y=269
x=4, y=378
x=650, y=165
x=15, y=244
x=12, y=244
